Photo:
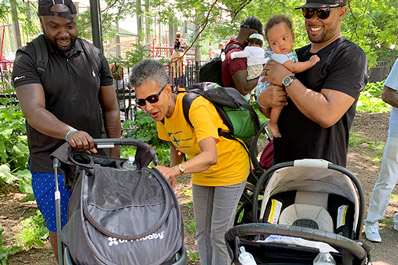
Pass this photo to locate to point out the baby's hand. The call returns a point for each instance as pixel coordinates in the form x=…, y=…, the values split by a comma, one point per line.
x=314, y=59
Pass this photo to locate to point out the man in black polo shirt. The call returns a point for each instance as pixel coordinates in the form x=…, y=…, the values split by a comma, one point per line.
x=68, y=101
x=322, y=100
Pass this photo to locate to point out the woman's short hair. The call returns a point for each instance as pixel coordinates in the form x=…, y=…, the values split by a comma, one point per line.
x=148, y=69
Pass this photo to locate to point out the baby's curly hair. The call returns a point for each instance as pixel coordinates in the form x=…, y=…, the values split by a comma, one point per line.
x=275, y=20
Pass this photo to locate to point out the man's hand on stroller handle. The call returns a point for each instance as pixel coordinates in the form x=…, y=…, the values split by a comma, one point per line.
x=81, y=140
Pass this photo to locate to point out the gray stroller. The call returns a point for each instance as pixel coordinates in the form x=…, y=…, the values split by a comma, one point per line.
x=116, y=216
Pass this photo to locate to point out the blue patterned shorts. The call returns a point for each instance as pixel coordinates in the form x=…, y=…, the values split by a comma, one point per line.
x=43, y=185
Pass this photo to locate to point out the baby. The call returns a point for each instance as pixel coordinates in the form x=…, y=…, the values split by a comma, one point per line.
x=255, y=55
x=280, y=37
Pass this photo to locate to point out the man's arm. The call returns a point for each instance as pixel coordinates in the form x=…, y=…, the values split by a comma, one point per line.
x=272, y=96
x=325, y=107
x=111, y=115
x=32, y=101
x=390, y=96
x=243, y=85
x=301, y=66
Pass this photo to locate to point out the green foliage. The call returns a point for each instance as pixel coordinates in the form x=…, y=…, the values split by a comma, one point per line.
x=163, y=154
x=192, y=255
x=143, y=128
x=136, y=54
x=5, y=252
x=13, y=141
x=33, y=231
x=370, y=99
x=190, y=226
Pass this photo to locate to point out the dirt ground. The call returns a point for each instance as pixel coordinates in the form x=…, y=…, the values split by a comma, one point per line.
x=361, y=161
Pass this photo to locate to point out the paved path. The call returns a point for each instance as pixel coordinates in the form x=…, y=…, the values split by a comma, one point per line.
x=386, y=252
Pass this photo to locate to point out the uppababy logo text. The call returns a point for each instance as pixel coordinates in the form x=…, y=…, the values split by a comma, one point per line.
x=116, y=241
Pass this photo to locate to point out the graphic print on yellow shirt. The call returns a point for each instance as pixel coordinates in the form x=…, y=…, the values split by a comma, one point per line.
x=232, y=163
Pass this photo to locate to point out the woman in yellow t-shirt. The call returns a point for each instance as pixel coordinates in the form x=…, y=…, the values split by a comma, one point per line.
x=219, y=166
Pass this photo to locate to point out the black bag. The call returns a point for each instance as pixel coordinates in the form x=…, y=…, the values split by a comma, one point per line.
x=240, y=118
x=211, y=71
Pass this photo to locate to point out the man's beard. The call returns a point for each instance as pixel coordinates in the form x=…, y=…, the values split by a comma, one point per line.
x=64, y=49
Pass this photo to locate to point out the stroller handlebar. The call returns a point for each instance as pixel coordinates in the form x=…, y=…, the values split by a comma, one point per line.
x=111, y=142
x=354, y=247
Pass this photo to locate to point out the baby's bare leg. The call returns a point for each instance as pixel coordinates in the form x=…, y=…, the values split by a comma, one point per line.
x=273, y=121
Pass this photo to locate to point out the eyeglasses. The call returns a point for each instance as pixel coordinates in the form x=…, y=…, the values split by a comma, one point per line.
x=151, y=99
x=322, y=13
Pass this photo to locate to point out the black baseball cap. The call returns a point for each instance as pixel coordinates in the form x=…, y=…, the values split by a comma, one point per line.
x=252, y=23
x=323, y=3
x=45, y=8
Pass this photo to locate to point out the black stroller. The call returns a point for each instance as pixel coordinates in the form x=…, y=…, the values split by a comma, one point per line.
x=116, y=216
x=245, y=206
x=299, y=208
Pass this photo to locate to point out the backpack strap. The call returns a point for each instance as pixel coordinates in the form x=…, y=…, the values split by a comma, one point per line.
x=186, y=104
x=92, y=58
x=235, y=46
x=40, y=47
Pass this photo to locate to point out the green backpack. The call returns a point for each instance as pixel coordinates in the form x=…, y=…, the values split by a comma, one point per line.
x=236, y=113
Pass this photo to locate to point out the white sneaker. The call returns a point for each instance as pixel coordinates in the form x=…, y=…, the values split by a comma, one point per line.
x=396, y=221
x=372, y=232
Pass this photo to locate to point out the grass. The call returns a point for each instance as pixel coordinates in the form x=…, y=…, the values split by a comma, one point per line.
x=193, y=256
x=33, y=231
x=190, y=226
x=374, y=147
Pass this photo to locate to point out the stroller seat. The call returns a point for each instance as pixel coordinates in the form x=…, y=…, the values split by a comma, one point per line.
x=305, y=214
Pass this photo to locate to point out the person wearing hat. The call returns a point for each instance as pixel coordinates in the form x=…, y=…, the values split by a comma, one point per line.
x=234, y=72
x=69, y=99
x=321, y=103
x=280, y=38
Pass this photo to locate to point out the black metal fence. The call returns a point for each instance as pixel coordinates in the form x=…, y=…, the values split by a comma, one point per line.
x=126, y=96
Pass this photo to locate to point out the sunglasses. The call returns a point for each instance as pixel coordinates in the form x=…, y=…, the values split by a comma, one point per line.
x=322, y=13
x=151, y=99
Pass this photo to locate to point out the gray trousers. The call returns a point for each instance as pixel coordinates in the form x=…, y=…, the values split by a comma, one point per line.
x=214, y=211
x=386, y=182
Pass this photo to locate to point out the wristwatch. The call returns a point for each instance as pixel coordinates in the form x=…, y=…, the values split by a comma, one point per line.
x=181, y=168
x=287, y=80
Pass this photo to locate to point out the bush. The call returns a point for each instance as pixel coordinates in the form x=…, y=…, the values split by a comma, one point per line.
x=143, y=128
x=370, y=99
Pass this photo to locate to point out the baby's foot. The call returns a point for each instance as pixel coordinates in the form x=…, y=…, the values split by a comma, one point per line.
x=273, y=127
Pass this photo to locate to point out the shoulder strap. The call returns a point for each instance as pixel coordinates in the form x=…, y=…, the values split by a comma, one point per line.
x=187, y=100
x=40, y=46
x=88, y=50
x=232, y=47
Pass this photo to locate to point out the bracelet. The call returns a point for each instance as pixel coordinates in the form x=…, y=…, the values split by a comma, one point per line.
x=71, y=130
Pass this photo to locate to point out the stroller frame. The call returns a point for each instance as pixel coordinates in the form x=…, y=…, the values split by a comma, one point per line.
x=349, y=245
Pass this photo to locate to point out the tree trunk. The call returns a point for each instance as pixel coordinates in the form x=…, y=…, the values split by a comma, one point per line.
x=15, y=23
x=147, y=23
x=118, y=53
x=139, y=22
x=197, y=48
